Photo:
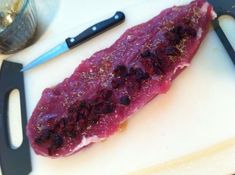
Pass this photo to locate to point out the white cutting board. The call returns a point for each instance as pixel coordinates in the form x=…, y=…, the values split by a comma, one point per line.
x=197, y=112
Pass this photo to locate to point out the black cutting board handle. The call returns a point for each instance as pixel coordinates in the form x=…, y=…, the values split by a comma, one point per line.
x=13, y=161
x=223, y=38
x=226, y=7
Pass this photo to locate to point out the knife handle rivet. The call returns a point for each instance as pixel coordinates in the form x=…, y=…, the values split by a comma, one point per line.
x=72, y=40
x=116, y=17
x=94, y=28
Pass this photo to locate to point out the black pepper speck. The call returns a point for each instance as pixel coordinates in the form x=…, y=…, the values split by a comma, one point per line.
x=125, y=100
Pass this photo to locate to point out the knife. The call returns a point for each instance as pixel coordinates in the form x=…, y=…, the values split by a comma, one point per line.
x=13, y=161
x=226, y=7
x=72, y=42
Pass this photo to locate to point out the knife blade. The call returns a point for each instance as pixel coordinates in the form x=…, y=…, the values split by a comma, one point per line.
x=226, y=7
x=72, y=42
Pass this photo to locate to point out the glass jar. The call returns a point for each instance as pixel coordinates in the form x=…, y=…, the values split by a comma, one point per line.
x=18, y=21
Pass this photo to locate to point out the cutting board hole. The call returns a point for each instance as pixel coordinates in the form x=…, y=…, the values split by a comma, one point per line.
x=227, y=23
x=14, y=120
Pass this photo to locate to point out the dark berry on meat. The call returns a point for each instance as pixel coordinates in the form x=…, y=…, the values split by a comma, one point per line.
x=157, y=69
x=84, y=109
x=39, y=140
x=105, y=94
x=104, y=107
x=125, y=100
x=184, y=30
x=108, y=108
x=141, y=75
x=173, y=38
x=96, y=101
x=146, y=76
x=132, y=71
x=57, y=141
x=83, y=104
x=172, y=51
x=117, y=82
x=120, y=71
x=45, y=135
x=191, y=31
x=146, y=53
x=97, y=109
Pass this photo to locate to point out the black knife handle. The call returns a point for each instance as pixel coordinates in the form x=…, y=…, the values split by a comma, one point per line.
x=13, y=161
x=95, y=29
x=227, y=45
